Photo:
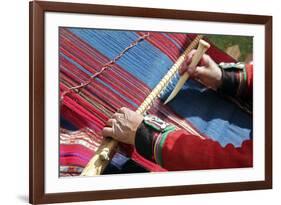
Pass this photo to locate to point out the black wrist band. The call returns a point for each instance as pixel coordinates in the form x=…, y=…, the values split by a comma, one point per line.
x=230, y=78
x=144, y=141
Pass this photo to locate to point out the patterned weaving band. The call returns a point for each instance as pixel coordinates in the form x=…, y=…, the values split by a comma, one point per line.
x=89, y=59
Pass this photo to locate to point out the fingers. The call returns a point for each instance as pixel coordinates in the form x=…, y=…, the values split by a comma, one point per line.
x=186, y=65
x=200, y=71
x=205, y=60
x=117, y=115
x=122, y=110
x=107, y=132
x=110, y=122
x=183, y=69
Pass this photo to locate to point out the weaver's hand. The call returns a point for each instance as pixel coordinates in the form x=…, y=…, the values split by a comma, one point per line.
x=123, y=125
x=207, y=72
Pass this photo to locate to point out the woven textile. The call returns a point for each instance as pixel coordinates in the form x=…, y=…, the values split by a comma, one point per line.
x=82, y=52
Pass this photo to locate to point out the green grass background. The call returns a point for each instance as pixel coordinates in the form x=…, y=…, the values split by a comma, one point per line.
x=245, y=43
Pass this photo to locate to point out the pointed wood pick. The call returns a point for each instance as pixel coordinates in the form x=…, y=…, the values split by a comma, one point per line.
x=202, y=48
x=178, y=87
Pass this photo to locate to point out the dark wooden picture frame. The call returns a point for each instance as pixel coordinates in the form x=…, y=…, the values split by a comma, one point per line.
x=37, y=94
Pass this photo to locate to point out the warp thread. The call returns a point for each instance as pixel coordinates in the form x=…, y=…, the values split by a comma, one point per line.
x=103, y=68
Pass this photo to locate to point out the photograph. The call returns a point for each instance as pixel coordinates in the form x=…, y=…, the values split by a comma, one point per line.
x=130, y=102
x=105, y=76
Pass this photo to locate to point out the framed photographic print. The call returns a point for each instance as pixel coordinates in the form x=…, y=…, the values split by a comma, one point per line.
x=138, y=102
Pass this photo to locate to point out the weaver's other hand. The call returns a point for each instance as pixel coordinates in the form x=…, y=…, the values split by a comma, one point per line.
x=123, y=125
x=207, y=71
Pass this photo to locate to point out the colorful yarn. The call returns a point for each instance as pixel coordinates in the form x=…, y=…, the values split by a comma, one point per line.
x=83, y=52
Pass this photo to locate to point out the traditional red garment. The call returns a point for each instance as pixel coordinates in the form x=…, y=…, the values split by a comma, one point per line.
x=183, y=151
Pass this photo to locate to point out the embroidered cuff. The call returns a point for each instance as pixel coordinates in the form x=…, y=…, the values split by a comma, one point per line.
x=159, y=143
x=234, y=78
x=151, y=136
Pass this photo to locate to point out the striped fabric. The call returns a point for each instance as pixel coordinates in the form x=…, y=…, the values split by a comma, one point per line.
x=82, y=52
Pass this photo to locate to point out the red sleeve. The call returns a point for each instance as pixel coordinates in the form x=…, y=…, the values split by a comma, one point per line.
x=183, y=151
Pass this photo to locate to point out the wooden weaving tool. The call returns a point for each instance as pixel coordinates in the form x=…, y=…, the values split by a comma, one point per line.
x=202, y=48
x=104, y=153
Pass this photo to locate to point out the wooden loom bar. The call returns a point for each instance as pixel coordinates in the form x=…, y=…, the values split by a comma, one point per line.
x=104, y=153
